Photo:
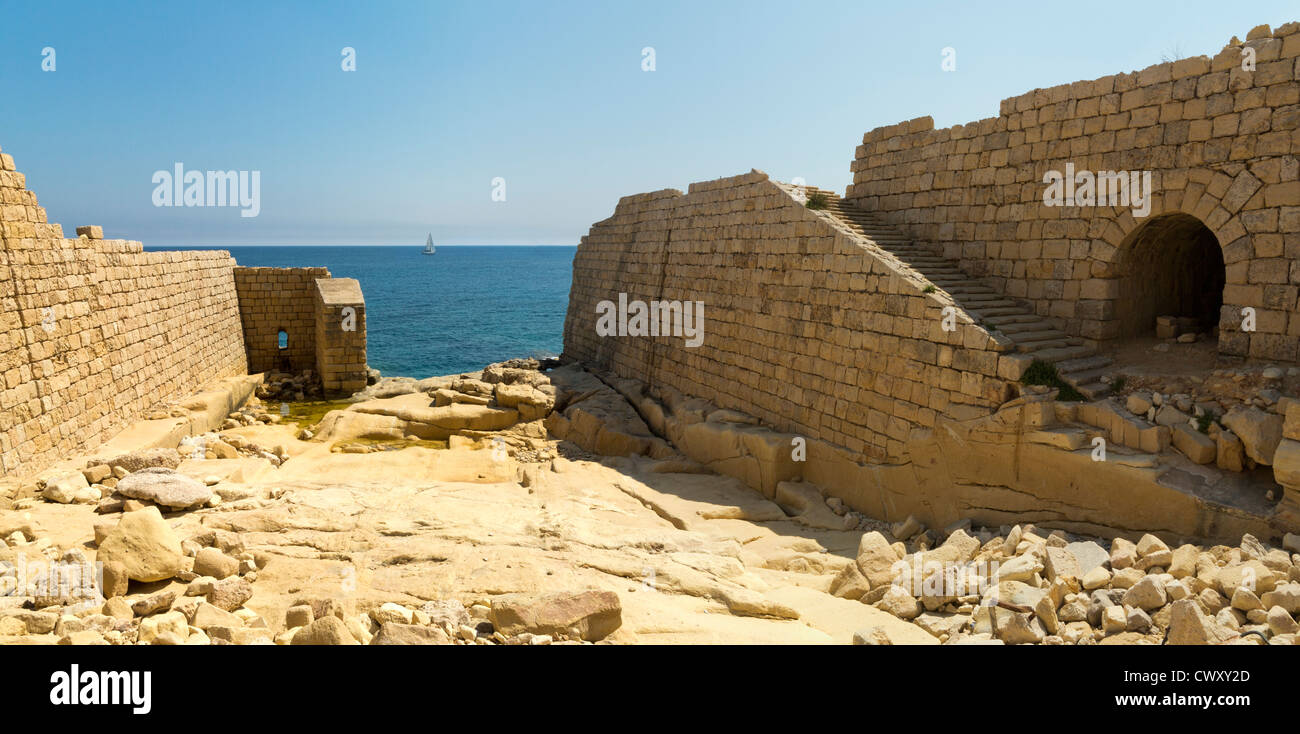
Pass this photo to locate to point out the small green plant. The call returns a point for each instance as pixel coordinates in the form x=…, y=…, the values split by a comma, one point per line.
x=1045, y=374
x=929, y=289
x=818, y=200
x=1117, y=384
x=1205, y=420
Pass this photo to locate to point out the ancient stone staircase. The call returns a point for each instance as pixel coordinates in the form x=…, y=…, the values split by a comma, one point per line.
x=1076, y=362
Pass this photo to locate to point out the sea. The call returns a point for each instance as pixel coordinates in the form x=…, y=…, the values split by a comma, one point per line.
x=454, y=311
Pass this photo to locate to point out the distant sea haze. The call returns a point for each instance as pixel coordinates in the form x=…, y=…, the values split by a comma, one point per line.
x=455, y=311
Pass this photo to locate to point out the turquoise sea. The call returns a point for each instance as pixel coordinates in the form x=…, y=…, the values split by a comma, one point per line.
x=455, y=311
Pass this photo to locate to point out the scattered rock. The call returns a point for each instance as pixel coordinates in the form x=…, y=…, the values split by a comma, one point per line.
x=586, y=615
x=145, y=546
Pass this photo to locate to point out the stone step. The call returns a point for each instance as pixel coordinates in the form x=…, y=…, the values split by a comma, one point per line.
x=1058, y=354
x=1015, y=318
x=1087, y=364
x=1093, y=390
x=1040, y=345
x=984, y=313
x=970, y=291
x=986, y=307
x=1083, y=376
x=1025, y=333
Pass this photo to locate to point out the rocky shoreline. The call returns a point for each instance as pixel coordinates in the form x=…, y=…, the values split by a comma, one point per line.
x=546, y=508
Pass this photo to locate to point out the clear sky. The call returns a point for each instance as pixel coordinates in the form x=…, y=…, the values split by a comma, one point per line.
x=550, y=96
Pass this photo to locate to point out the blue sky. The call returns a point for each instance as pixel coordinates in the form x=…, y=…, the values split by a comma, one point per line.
x=550, y=96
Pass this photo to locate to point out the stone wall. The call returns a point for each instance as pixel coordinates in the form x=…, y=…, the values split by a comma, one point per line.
x=1220, y=142
x=807, y=327
x=323, y=318
x=340, y=313
x=94, y=332
x=272, y=300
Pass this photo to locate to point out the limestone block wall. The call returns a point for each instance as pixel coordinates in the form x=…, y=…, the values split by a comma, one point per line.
x=94, y=332
x=806, y=327
x=272, y=300
x=340, y=313
x=1219, y=140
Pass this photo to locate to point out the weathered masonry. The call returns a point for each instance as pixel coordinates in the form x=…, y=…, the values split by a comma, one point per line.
x=1220, y=142
x=891, y=328
x=96, y=332
x=298, y=319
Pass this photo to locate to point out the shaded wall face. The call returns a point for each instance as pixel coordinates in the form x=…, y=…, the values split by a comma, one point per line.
x=1219, y=141
x=1172, y=266
x=96, y=332
x=803, y=328
x=272, y=300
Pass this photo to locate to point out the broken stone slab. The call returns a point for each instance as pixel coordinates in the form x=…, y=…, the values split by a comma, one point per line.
x=586, y=615
x=165, y=487
x=1260, y=432
x=397, y=633
x=1195, y=445
x=69, y=488
x=145, y=458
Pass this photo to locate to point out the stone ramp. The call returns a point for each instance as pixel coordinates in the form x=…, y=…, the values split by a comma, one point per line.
x=1078, y=363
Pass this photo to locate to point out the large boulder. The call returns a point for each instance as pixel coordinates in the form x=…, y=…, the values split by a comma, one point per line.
x=1260, y=432
x=145, y=546
x=165, y=487
x=876, y=559
x=587, y=615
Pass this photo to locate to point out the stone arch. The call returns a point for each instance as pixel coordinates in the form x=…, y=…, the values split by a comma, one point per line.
x=1175, y=211
x=1171, y=265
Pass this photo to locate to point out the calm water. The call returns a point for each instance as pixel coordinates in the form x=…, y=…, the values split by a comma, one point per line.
x=455, y=311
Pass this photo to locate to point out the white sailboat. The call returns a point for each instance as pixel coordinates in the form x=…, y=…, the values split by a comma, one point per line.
x=429, y=249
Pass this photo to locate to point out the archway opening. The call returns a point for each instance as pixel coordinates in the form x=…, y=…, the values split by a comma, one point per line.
x=1171, y=266
x=282, y=342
